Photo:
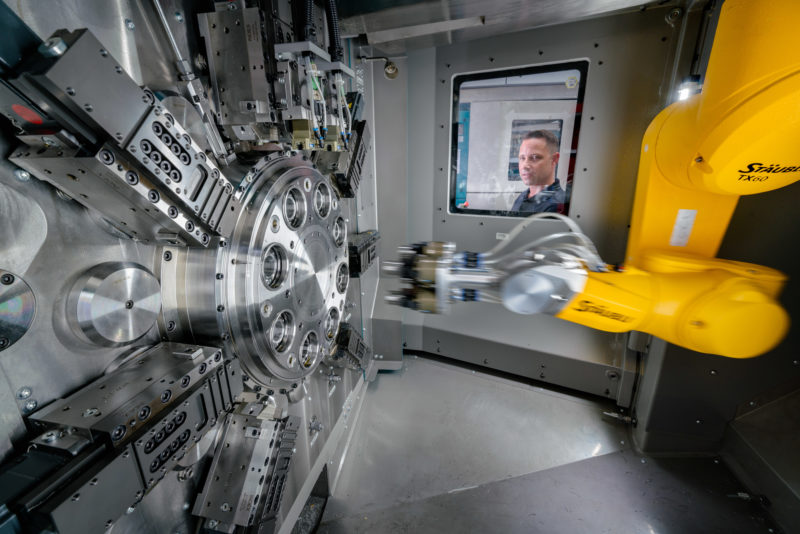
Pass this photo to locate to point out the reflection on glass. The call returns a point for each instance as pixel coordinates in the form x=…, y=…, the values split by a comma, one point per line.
x=515, y=139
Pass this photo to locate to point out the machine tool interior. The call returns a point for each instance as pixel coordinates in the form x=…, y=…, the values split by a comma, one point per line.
x=275, y=266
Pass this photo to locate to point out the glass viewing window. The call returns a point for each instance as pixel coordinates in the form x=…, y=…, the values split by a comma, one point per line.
x=515, y=138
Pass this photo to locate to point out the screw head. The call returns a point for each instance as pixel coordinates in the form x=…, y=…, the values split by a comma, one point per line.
x=31, y=405
x=24, y=393
x=22, y=175
x=7, y=279
x=129, y=24
x=53, y=47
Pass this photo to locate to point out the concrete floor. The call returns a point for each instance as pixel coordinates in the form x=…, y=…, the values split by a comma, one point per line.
x=441, y=448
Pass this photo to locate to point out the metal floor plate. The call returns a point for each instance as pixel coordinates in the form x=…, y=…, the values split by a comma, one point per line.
x=434, y=428
x=613, y=493
x=439, y=448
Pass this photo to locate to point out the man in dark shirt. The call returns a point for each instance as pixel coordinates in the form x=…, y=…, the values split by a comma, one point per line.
x=538, y=156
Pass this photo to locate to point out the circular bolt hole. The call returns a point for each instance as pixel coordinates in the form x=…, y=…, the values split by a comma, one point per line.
x=282, y=331
x=119, y=432
x=274, y=266
x=294, y=208
x=144, y=412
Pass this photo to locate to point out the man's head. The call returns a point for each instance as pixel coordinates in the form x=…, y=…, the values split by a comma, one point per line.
x=538, y=156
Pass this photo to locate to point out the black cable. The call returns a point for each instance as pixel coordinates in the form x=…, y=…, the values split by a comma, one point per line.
x=336, y=50
x=309, y=28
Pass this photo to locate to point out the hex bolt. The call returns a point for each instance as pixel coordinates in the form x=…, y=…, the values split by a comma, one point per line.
x=7, y=279
x=220, y=276
x=212, y=523
x=129, y=24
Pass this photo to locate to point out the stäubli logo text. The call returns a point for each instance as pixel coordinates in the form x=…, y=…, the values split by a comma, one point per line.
x=760, y=172
x=590, y=307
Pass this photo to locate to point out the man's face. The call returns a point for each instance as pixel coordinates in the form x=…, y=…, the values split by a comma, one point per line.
x=536, y=164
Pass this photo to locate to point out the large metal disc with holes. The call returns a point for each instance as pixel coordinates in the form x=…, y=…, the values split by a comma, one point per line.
x=286, y=271
x=114, y=303
x=17, y=307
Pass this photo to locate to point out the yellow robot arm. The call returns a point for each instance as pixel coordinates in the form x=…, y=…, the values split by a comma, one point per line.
x=738, y=137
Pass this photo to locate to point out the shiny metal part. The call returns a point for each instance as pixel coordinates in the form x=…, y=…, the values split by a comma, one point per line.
x=114, y=304
x=399, y=28
x=237, y=70
x=274, y=284
x=237, y=265
x=543, y=289
x=194, y=90
x=53, y=47
x=248, y=474
x=122, y=405
x=17, y=309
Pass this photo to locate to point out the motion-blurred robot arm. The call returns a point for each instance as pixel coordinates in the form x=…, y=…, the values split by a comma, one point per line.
x=698, y=156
